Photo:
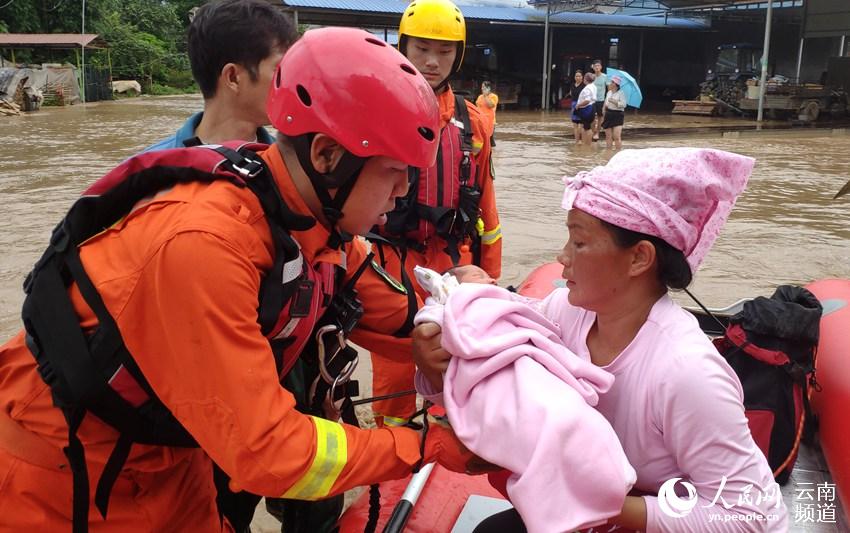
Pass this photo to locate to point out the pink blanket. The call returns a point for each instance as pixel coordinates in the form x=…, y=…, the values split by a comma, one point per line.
x=519, y=399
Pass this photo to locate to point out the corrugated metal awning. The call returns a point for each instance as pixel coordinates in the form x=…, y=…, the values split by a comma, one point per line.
x=521, y=15
x=699, y=4
x=51, y=40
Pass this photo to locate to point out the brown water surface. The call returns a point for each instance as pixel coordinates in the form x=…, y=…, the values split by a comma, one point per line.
x=785, y=228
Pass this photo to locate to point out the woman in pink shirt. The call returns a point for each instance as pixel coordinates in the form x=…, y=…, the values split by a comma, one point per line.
x=639, y=227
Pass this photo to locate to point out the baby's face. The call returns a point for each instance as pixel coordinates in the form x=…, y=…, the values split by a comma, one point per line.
x=472, y=274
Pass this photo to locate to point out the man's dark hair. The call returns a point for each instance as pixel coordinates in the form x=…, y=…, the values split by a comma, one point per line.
x=244, y=32
x=595, y=61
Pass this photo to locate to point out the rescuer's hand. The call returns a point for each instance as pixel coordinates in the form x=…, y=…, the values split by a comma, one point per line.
x=442, y=446
x=428, y=353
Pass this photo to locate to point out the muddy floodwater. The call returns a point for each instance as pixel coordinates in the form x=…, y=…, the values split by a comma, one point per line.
x=785, y=228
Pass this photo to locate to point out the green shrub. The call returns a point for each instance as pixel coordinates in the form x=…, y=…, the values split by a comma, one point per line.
x=158, y=89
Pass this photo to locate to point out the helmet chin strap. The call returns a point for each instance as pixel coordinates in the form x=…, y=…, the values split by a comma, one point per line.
x=342, y=178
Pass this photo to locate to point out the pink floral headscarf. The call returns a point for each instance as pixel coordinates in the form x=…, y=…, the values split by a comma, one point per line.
x=681, y=195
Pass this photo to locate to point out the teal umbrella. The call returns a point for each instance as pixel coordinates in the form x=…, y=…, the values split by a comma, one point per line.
x=629, y=86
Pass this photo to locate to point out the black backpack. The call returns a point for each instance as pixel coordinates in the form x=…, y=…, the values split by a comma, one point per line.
x=771, y=345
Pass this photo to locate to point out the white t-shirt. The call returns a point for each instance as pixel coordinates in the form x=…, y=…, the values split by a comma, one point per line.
x=588, y=94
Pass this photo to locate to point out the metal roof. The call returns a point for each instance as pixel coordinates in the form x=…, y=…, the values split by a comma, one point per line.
x=692, y=4
x=652, y=5
x=369, y=6
x=638, y=21
x=703, y=4
x=525, y=15
x=50, y=40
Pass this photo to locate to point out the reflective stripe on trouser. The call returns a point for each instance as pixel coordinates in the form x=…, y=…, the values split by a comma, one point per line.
x=389, y=376
x=331, y=456
x=394, y=421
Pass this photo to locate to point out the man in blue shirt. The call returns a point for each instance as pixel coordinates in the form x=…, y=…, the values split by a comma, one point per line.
x=234, y=47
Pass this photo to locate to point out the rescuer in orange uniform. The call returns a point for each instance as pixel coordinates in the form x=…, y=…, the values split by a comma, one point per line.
x=173, y=298
x=449, y=216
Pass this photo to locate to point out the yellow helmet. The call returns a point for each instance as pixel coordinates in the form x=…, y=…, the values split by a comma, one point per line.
x=440, y=20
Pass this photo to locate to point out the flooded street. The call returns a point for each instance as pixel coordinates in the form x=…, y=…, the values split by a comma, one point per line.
x=785, y=229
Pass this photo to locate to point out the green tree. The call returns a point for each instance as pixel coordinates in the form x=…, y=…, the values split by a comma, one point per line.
x=146, y=37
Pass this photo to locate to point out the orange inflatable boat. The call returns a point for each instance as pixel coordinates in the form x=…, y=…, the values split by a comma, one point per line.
x=831, y=401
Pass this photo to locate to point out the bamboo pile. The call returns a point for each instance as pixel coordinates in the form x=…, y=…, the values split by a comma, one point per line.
x=9, y=108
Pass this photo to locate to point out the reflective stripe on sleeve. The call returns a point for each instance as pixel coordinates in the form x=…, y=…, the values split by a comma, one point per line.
x=331, y=456
x=491, y=236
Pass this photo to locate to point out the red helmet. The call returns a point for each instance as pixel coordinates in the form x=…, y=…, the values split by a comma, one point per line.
x=357, y=89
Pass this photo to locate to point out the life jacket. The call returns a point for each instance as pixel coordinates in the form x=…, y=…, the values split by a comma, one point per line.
x=771, y=345
x=92, y=371
x=442, y=200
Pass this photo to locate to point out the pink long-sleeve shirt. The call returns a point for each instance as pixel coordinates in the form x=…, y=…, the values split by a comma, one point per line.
x=677, y=407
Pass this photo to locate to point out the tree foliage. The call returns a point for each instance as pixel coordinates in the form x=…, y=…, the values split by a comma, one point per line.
x=146, y=37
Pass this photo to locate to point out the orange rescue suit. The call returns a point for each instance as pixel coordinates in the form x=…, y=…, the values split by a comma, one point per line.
x=392, y=363
x=181, y=276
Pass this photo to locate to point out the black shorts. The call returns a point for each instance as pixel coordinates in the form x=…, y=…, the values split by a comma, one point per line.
x=597, y=107
x=613, y=119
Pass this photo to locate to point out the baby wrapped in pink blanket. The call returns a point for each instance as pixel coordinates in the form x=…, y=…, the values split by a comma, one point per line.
x=519, y=399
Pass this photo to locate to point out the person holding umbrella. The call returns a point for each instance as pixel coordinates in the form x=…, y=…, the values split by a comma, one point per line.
x=629, y=86
x=614, y=113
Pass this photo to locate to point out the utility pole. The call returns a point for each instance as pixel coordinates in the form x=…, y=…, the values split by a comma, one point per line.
x=83, y=46
x=544, y=98
x=763, y=81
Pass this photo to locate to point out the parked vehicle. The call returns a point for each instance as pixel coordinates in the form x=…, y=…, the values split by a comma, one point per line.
x=725, y=82
x=731, y=86
x=806, y=101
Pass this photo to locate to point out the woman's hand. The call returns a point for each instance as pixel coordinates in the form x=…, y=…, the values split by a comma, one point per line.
x=428, y=353
x=633, y=514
